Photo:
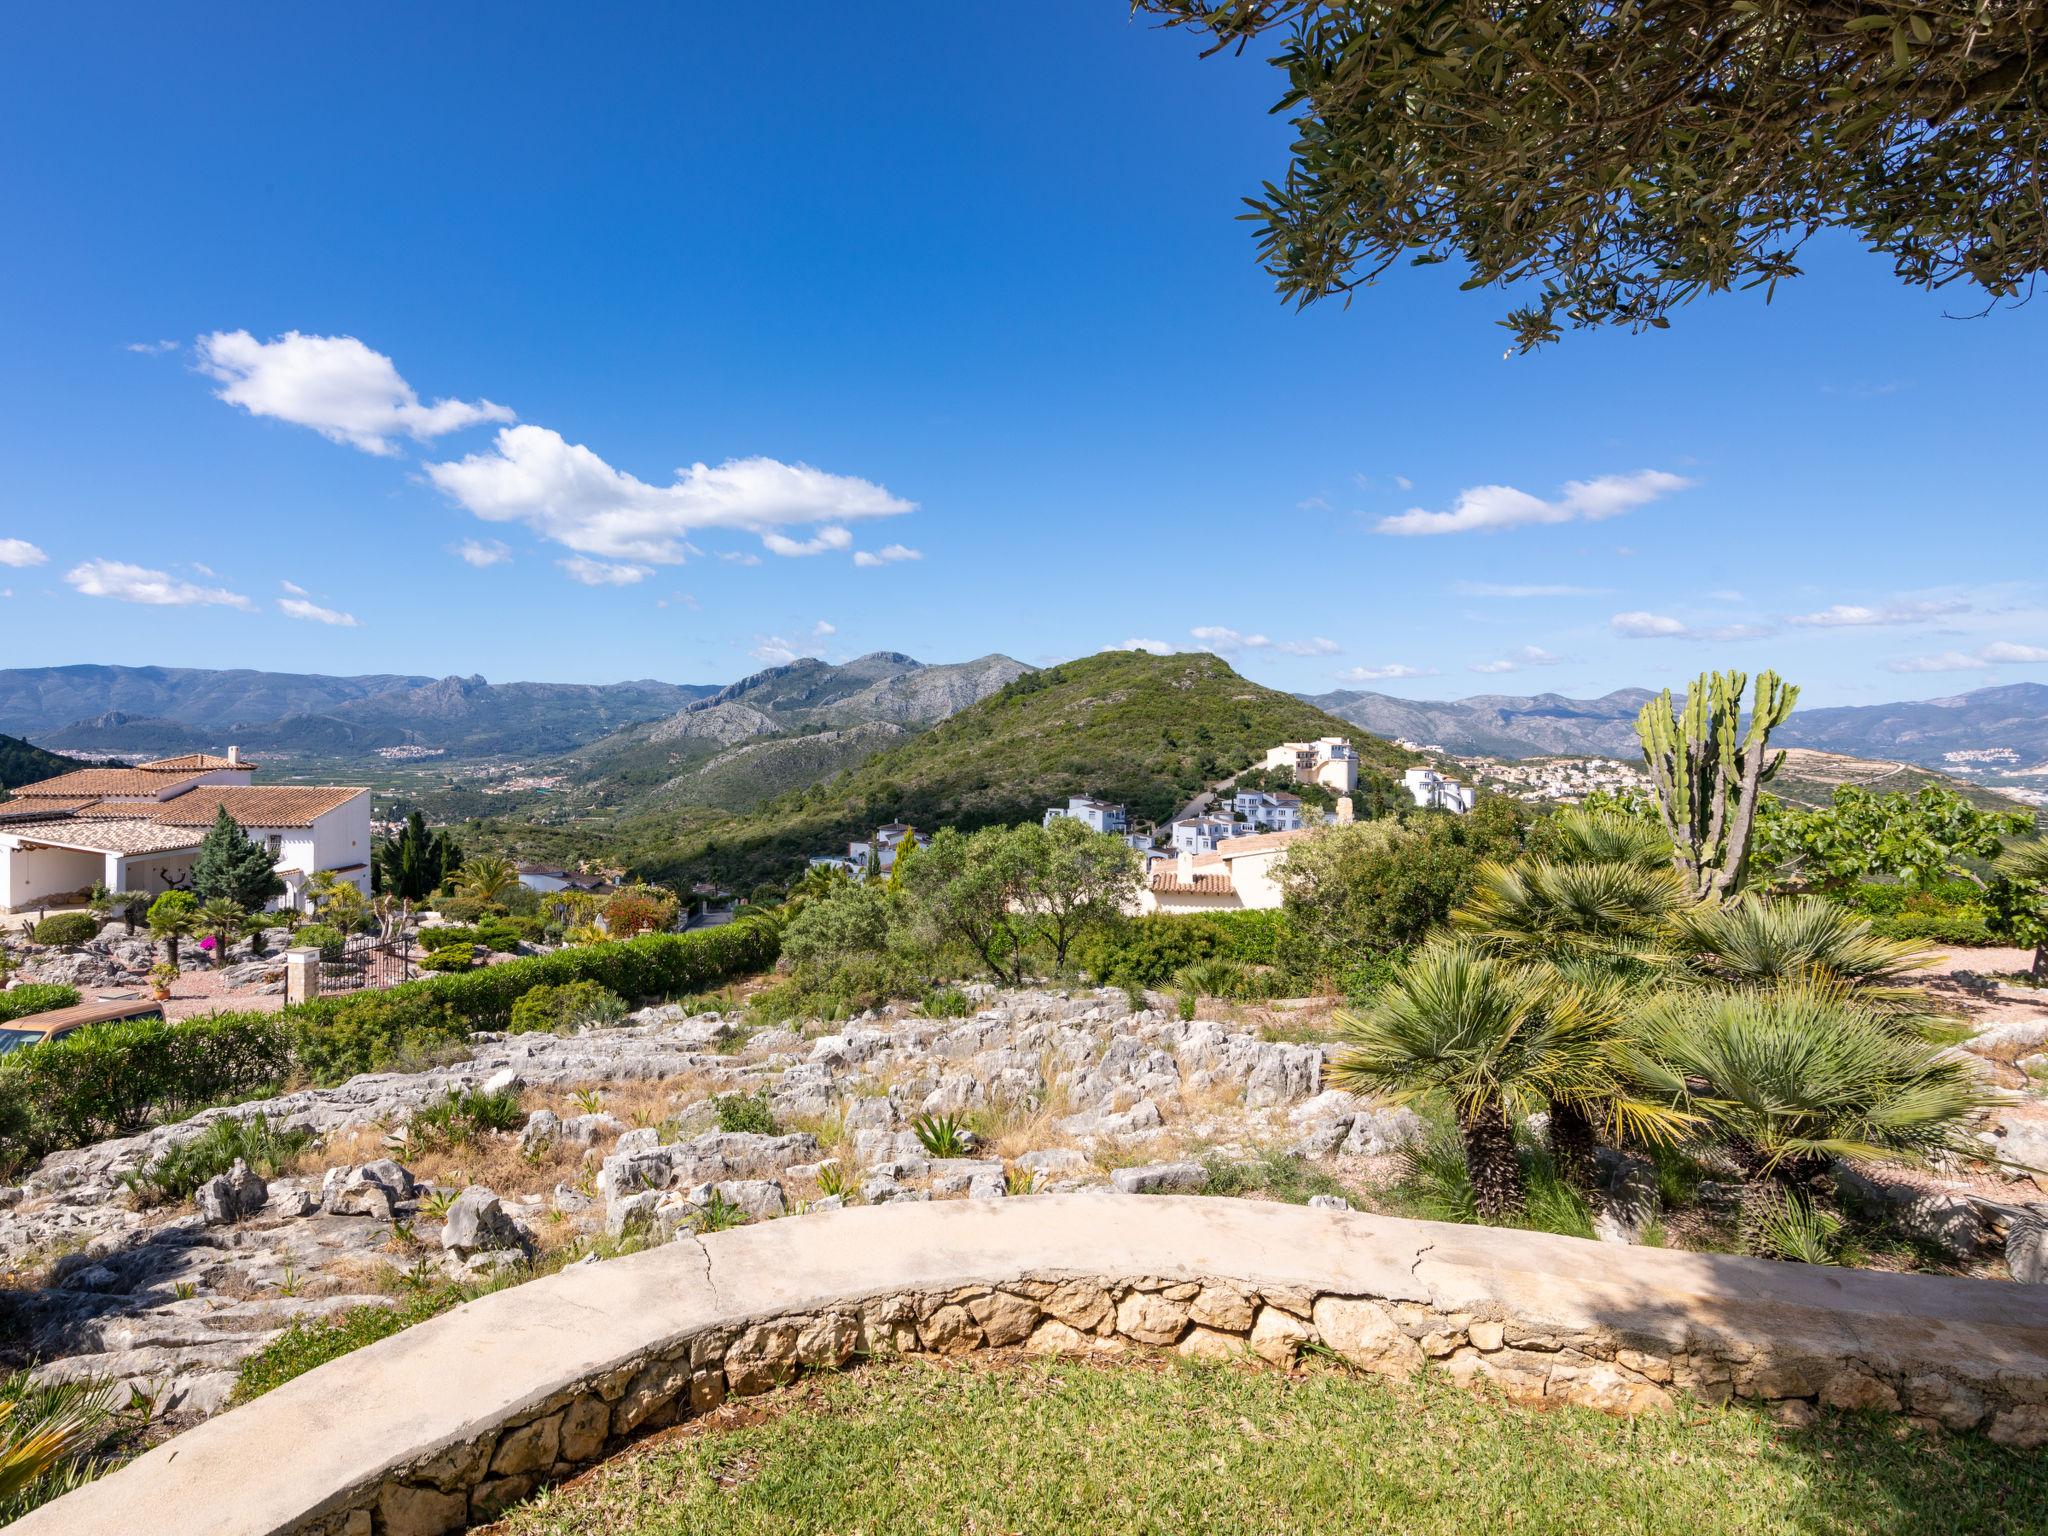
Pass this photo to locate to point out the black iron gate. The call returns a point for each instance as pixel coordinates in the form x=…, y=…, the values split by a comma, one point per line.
x=364, y=963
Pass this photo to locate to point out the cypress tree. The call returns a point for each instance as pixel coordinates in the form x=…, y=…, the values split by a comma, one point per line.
x=230, y=867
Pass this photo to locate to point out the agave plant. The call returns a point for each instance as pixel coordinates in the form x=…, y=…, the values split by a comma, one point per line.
x=1752, y=942
x=1789, y=1078
x=1489, y=1038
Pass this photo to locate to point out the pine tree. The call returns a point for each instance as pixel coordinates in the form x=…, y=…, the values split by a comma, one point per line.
x=232, y=868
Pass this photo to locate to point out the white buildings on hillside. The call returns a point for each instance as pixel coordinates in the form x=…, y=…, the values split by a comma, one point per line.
x=1201, y=834
x=139, y=829
x=877, y=853
x=1268, y=810
x=1096, y=815
x=1330, y=761
x=1432, y=791
x=1239, y=875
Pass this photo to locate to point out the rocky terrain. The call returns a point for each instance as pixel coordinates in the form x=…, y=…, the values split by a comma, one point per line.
x=613, y=1137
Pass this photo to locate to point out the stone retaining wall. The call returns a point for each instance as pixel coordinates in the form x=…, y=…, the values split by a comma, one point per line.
x=448, y=1422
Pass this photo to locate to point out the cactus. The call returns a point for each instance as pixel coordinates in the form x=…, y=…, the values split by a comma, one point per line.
x=1708, y=771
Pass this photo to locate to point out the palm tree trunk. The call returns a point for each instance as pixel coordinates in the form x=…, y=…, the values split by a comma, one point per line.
x=1572, y=1143
x=1490, y=1161
x=2040, y=977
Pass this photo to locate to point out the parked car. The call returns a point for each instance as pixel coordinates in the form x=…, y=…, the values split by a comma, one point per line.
x=41, y=1028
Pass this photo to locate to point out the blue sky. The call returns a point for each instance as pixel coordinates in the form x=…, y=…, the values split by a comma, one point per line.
x=950, y=302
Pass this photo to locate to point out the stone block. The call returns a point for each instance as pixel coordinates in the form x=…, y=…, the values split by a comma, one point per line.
x=1366, y=1335
x=1151, y=1318
x=1277, y=1336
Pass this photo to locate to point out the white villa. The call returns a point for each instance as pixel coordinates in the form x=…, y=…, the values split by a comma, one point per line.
x=1330, y=761
x=1432, y=791
x=1268, y=810
x=884, y=845
x=1238, y=876
x=1096, y=815
x=139, y=829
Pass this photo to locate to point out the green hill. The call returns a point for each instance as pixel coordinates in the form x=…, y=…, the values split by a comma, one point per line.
x=23, y=763
x=1148, y=731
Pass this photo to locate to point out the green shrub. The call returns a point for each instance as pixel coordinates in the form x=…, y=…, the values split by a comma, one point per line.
x=461, y=909
x=36, y=997
x=449, y=960
x=116, y=1079
x=325, y=937
x=745, y=1112
x=943, y=1135
x=1949, y=912
x=67, y=929
x=453, y=936
x=506, y=934
x=1224, y=979
x=564, y=1009
x=945, y=1003
x=213, y=1151
x=1967, y=927
x=1150, y=951
x=335, y=1038
x=464, y=1115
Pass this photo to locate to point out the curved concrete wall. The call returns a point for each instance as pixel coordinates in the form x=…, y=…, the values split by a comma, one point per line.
x=450, y=1421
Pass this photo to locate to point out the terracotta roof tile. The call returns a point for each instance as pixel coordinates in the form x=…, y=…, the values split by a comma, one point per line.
x=255, y=805
x=133, y=836
x=1200, y=885
x=101, y=782
x=193, y=762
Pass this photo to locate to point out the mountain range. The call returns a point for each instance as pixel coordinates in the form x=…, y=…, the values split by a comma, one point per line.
x=2014, y=717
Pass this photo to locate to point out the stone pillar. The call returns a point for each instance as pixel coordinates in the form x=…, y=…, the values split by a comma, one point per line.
x=1344, y=811
x=301, y=975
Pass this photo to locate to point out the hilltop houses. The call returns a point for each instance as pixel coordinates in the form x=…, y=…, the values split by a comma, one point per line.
x=1096, y=815
x=139, y=829
x=1239, y=875
x=1432, y=791
x=875, y=854
x=1268, y=810
x=1330, y=761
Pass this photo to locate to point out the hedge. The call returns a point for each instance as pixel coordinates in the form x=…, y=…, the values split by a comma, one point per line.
x=1150, y=951
x=36, y=997
x=115, y=1079
x=67, y=929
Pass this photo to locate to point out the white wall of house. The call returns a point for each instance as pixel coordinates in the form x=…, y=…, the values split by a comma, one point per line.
x=1150, y=900
x=153, y=873
x=29, y=877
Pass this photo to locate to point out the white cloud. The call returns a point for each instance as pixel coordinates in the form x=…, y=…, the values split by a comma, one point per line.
x=313, y=613
x=821, y=629
x=1312, y=504
x=603, y=573
x=888, y=554
x=290, y=586
x=568, y=494
x=1997, y=653
x=334, y=384
x=135, y=584
x=1659, y=626
x=1381, y=674
x=773, y=650
x=1228, y=642
x=2008, y=650
x=1149, y=647
x=817, y=544
x=1947, y=661
x=152, y=348
x=481, y=552
x=1522, y=589
x=1404, y=483
x=1486, y=508
x=748, y=557
x=1520, y=657
x=1848, y=615
x=20, y=554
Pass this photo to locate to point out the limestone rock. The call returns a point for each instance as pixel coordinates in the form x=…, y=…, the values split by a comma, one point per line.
x=477, y=1222
x=1160, y=1178
x=228, y=1197
x=1364, y=1334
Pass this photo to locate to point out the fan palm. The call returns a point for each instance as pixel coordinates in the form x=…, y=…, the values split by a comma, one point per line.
x=1481, y=1035
x=1608, y=837
x=1790, y=1077
x=2026, y=864
x=1591, y=930
x=1753, y=942
x=486, y=879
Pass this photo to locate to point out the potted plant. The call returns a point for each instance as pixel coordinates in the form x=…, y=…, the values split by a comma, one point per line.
x=161, y=975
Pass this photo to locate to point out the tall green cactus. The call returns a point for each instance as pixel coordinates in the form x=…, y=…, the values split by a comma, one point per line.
x=1707, y=784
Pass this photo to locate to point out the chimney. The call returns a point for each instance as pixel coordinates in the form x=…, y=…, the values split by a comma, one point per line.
x=1184, y=867
x=234, y=757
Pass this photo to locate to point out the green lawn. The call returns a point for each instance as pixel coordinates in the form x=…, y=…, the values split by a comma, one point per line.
x=918, y=1446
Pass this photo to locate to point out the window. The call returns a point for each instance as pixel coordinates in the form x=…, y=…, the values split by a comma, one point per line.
x=276, y=843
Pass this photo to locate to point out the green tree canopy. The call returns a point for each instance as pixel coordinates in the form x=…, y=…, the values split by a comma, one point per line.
x=232, y=868
x=414, y=864
x=1918, y=839
x=1624, y=158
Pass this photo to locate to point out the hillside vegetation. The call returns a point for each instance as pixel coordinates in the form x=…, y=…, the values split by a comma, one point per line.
x=1149, y=731
x=23, y=762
